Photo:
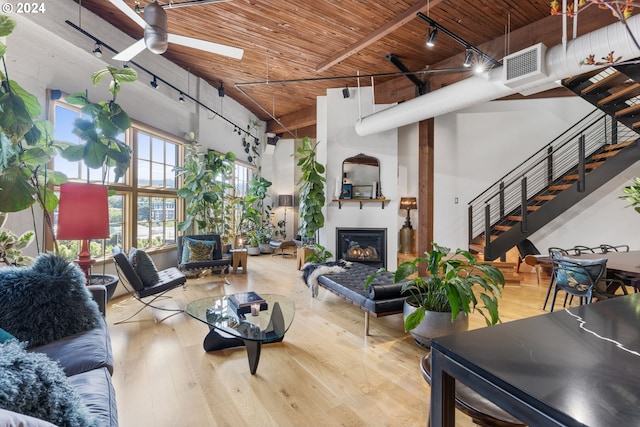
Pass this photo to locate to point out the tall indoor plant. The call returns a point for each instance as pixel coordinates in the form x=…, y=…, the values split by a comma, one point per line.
x=449, y=290
x=311, y=184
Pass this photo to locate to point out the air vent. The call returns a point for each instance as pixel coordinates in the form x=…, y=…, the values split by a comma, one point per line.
x=525, y=66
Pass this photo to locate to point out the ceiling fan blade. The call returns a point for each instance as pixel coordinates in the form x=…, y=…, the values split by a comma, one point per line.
x=220, y=49
x=131, y=51
x=120, y=4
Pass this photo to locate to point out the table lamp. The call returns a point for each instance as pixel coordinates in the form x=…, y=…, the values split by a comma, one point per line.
x=83, y=214
x=407, y=235
x=285, y=201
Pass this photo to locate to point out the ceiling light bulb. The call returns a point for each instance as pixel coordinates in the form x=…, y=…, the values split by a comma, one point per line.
x=431, y=41
x=154, y=83
x=467, y=58
x=97, y=52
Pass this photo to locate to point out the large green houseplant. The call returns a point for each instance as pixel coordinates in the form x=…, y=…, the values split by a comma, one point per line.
x=311, y=184
x=452, y=286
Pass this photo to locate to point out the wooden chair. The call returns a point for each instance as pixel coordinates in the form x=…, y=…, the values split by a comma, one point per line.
x=482, y=411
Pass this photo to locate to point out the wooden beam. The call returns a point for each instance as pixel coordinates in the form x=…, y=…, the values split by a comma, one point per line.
x=426, y=178
x=296, y=120
x=547, y=30
x=387, y=28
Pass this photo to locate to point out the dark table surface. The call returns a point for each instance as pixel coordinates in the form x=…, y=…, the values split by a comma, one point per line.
x=579, y=366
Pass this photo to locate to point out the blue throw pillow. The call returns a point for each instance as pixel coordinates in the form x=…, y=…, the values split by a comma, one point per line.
x=186, y=251
x=575, y=272
x=146, y=269
x=5, y=336
x=47, y=301
x=34, y=385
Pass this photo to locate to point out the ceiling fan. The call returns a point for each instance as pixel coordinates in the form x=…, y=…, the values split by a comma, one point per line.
x=156, y=38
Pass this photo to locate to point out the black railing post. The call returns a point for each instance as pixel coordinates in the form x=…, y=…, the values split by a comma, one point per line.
x=470, y=225
x=487, y=229
x=614, y=131
x=501, y=199
x=523, y=204
x=581, y=164
x=549, y=165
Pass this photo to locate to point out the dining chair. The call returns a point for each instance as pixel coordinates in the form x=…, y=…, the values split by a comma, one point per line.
x=605, y=248
x=559, y=251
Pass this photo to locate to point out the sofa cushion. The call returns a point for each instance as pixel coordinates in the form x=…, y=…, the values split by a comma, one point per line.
x=200, y=250
x=81, y=352
x=47, y=301
x=32, y=384
x=97, y=393
x=186, y=251
x=15, y=419
x=146, y=269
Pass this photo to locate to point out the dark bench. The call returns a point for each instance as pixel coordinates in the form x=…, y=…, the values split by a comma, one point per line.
x=382, y=298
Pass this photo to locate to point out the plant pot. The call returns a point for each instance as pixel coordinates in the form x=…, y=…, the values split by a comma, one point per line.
x=435, y=324
x=253, y=250
x=265, y=248
x=109, y=281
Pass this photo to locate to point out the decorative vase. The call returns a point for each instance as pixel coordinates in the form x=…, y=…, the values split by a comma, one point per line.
x=435, y=324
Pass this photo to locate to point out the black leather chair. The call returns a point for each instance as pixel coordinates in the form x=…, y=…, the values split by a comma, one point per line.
x=218, y=263
x=170, y=278
x=525, y=248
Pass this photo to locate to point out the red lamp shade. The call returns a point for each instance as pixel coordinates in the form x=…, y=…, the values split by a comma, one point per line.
x=83, y=214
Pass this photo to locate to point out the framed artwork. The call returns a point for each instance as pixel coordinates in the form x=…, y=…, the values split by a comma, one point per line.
x=362, y=192
x=346, y=191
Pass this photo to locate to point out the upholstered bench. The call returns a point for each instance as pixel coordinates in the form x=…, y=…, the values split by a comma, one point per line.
x=382, y=298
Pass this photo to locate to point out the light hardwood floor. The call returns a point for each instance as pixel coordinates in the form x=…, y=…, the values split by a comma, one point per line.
x=324, y=373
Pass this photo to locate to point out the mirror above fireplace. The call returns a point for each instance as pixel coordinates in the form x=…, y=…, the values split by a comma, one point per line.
x=362, y=172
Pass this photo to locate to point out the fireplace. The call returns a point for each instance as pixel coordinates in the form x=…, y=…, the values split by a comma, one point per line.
x=364, y=245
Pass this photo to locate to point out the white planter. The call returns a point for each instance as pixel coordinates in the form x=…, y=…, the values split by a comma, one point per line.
x=435, y=324
x=265, y=248
x=253, y=250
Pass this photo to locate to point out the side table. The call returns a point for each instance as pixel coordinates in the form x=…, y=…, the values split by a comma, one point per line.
x=303, y=252
x=239, y=259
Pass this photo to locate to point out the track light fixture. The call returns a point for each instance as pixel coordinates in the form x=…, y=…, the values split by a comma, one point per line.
x=154, y=83
x=221, y=90
x=125, y=65
x=97, y=52
x=181, y=98
x=433, y=35
x=468, y=57
x=345, y=92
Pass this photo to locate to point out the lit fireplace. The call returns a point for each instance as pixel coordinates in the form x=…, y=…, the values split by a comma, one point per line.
x=365, y=245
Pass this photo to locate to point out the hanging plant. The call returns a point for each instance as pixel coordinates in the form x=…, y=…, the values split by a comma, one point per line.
x=311, y=183
x=251, y=143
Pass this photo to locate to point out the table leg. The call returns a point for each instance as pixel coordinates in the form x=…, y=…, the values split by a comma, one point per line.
x=443, y=393
x=253, y=352
x=214, y=341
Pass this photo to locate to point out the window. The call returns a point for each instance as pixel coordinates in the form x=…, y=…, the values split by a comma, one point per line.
x=144, y=211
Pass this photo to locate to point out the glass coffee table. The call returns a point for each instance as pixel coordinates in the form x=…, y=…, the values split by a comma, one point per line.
x=228, y=329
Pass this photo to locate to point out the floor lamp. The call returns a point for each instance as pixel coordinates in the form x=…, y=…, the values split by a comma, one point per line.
x=407, y=236
x=285, y=201
x=83, y=214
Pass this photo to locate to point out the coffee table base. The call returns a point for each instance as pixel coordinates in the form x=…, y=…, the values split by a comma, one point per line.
x=215, y=341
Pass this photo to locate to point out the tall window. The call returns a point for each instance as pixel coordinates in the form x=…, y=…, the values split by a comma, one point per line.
x=144, y=210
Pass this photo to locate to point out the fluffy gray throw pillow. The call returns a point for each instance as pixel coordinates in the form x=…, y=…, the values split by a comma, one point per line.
x=46, y=301
x=32, y=384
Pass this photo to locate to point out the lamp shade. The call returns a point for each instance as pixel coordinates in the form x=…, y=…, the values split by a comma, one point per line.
x=408, y=203
x=285, y=200
x=83, y=212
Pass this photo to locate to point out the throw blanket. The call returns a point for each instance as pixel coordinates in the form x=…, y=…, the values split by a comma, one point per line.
x=311, y=271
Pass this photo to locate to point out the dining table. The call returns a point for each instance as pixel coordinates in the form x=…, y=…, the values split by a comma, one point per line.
x=624, y=262
x=573, y=367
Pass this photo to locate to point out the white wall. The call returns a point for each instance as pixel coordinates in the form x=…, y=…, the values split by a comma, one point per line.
x=475, y=147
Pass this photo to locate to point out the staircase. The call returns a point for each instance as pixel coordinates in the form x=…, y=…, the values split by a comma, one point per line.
x=565, y=171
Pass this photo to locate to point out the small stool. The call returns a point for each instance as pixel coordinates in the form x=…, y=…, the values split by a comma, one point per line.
x=482, y=411
x=239, y=259
x=303, y=252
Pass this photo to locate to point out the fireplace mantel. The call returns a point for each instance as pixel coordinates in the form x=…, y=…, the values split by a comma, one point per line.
x=382, y=201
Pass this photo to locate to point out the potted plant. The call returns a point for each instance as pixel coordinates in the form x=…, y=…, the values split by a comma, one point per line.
x=438, y=304
x=632, y=194
x=253, y=243
x=311, y=183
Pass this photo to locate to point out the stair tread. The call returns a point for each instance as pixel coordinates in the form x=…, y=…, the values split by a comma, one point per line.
x=514, y=218
x=571, y=177
x=618, y=146
x=593, y=165
x=533, y=208
x=608, y=82
x=605, y=155
x=502, y=227
x=559, y=187
x=545, y=197
x=581, y=77
x=626, y=93
x=631, y=109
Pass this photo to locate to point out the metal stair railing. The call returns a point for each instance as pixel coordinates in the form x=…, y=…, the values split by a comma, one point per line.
x=511, y=194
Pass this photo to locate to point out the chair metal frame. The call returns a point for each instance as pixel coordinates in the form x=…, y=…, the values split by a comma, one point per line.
x=132, y=278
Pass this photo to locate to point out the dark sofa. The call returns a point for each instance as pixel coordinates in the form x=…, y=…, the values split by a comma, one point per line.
x=381, y=298
x=85, y=357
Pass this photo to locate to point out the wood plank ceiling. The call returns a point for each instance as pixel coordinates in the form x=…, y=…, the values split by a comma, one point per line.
x=300, y=40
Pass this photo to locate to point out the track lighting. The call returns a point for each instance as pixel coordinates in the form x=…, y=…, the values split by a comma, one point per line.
x=468, y=57
x=125, y=65
x=154, y=83
x=345, y=92
x=221, y=90
x=181, y=98
x=97, y=52
x=431, y=41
